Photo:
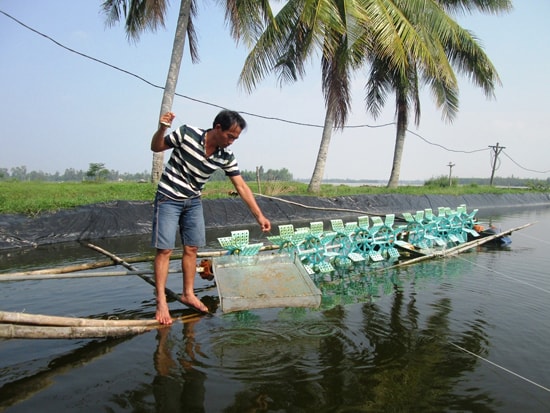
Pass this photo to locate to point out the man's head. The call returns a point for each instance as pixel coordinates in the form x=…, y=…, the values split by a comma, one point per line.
x=226, y=128
x=227, y=118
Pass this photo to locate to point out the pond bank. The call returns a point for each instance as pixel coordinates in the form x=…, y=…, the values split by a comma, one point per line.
x=124, y=218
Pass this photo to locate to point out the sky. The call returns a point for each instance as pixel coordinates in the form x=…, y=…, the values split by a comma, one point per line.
x=61, y=110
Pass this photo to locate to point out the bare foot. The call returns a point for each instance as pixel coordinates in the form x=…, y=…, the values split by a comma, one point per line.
x=194, y=302
x=163, y=315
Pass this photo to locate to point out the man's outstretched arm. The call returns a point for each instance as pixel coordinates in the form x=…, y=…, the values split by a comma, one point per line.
x=248, y=197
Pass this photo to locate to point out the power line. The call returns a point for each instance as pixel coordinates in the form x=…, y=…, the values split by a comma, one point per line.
x=178, y=94
x=161, y=87
x=522, y=167
x=127, y=72
x=213, y=104
x=443, y=147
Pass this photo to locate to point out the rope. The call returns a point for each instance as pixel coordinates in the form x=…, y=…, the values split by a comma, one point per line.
x=489, y=361
x=499, y=366
x=507, y=276
x=313, y=207
x=539, y=240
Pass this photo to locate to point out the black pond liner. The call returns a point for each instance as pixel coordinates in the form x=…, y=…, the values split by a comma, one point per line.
x=125, y=218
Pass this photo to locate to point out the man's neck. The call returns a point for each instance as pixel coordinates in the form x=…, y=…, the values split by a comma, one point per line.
x=209, y=146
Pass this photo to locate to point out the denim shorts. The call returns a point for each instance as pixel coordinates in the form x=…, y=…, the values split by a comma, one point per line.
x=169, y=214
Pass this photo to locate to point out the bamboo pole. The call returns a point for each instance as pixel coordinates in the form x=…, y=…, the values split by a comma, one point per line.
x=120, y=261
x=69, y=268
x=459, y=248
x=38, y=326
x=39, y=319
x=28, y=277
x=57, y=332
x=89, y=266
x=137, y=259
x=474, y=243
x=146, y=278
x=81, y=267
x=47, y=320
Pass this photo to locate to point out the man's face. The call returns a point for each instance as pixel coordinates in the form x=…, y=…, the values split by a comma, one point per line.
x=224, y=138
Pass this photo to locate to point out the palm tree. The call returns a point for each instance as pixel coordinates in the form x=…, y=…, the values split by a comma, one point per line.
x=244, y=16
x=141, y=15
x=287, y=43
x=463, y=52
x=346, y=32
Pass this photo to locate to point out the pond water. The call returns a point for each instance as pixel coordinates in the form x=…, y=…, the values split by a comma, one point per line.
x=467, y=333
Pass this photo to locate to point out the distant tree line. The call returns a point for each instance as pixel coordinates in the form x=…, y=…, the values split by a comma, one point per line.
x=98, y=172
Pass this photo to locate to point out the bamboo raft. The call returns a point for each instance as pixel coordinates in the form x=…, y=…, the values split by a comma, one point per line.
x=345, y=248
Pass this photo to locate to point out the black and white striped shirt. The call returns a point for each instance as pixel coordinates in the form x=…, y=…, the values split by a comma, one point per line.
x=188, y=169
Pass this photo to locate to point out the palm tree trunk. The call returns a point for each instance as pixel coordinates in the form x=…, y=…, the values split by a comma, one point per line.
x=318, y=172
x=402, y=121
x=397, y=156
x=172, y=78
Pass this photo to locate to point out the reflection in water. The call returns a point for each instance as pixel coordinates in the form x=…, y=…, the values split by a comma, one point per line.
x=305, y=361
x=22, y=388
x=416, y=366
x=381, y=354
x=178, y=389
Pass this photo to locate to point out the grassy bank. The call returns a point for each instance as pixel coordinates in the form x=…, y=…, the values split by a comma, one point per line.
x=31, y=198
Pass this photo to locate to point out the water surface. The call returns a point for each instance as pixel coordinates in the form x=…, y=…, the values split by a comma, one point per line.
x=468, y=333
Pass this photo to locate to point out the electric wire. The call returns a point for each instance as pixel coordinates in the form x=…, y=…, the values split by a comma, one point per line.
x=271, y=118
x=492, y=161
x=524, y=168
x=443, y=147
x=176, y=93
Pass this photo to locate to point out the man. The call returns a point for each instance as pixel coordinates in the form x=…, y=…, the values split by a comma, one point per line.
x=196, y=154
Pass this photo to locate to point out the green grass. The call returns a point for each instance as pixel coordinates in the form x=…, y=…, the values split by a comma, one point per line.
x=31, y=198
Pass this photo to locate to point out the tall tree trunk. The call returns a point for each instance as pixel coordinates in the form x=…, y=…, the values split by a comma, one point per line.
x=172, y=78
x=397, y=156
x=318, y=172
x=402, y=121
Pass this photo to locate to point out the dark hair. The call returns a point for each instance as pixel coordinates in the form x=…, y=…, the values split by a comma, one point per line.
x=227, y=118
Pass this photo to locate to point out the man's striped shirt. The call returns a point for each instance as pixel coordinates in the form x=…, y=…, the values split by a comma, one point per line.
x=188, y=169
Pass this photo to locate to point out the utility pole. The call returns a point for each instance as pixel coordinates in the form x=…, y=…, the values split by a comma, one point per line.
x=497, y=150
x=450, y=171
x=258, y=180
